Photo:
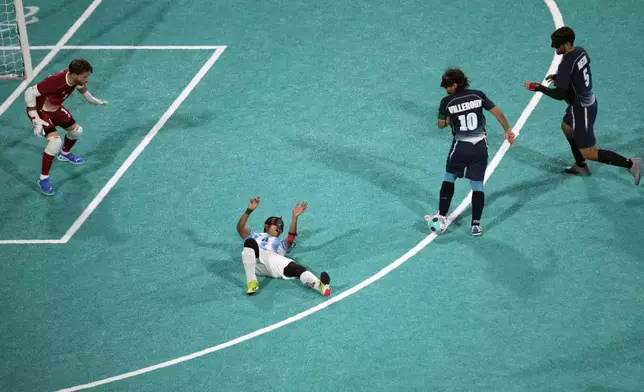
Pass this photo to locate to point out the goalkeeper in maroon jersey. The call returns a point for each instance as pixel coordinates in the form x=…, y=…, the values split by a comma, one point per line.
x=46, y=112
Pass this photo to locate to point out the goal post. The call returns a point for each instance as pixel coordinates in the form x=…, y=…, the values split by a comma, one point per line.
x=15, y=57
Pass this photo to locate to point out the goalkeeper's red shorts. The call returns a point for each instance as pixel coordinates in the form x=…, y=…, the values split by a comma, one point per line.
x=60, y=118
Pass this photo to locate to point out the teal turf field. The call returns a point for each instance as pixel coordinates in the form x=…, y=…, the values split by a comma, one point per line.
x=333, y=102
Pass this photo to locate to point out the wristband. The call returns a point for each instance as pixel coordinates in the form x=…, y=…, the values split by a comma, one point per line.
x=248, y=211
x=291, y=236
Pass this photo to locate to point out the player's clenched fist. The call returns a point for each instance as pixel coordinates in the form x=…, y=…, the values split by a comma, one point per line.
x=509, y=136
x=531, y=86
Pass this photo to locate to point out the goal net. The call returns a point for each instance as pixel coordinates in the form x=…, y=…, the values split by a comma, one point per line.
x=15, y=59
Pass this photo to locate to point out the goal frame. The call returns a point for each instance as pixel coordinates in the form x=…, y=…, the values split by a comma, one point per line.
x=27, y=67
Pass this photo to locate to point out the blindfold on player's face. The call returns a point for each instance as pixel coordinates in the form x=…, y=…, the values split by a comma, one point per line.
x=557, y=42
x=277, y=221
x=558, y=39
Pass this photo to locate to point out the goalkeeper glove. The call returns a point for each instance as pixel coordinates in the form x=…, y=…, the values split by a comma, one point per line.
x=38, y=124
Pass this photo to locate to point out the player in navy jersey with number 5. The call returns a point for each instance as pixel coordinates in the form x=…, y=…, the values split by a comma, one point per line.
x=462, y=108
x=574, y=84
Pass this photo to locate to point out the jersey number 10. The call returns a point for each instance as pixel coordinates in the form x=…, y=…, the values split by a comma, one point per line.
x=468, y=123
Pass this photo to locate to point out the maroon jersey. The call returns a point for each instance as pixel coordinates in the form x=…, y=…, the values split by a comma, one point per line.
x=54, y=90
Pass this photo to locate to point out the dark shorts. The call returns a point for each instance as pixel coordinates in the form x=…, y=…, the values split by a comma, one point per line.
x=464, y=155
x=582, y=121
x=60, y=118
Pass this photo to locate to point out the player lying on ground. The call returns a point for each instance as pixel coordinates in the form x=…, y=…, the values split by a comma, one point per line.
x=46, y=112
x=574, y=84
x=264, y=253
x=462, y=108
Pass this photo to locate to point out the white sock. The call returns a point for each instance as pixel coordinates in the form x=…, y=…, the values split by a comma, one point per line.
x=249, y=260
x=42, y=176
x=310, y=280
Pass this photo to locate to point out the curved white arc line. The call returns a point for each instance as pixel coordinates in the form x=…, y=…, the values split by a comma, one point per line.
x=558, y=19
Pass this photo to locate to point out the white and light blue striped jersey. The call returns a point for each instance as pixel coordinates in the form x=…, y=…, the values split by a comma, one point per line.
x=269, y=243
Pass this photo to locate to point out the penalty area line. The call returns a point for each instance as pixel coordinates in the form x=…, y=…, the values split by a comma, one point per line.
x=17, y=242
x=121, y=47
x=144, y=143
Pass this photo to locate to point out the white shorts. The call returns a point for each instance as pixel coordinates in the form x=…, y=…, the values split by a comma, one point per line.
x=271, y=264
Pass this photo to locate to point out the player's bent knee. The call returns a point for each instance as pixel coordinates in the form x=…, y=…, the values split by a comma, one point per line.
x=567, y=129
x=293, y=270
x=590, y=153
x=248, y=256
x=477, y=186
x=76, y=133
x=449, y=177
x=53, y=145
x=252, y=244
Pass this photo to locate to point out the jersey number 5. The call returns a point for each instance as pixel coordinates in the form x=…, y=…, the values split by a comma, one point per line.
x=586, y=77
x=468, y=123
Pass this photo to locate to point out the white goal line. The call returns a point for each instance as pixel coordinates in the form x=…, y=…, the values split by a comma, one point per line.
x=121, y=47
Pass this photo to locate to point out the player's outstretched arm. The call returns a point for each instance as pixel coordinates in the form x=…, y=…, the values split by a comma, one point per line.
x=292, y=231
x=242, y=230
x=558, y=93
x=89, y=97
x=500, y=117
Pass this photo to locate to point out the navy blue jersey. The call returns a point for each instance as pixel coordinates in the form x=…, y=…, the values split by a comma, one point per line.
x=574, y=75
x=465, y=110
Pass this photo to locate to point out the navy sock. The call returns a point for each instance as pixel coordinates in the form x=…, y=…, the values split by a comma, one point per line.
x=478, y=201
x=613, y=158
x=446, y=194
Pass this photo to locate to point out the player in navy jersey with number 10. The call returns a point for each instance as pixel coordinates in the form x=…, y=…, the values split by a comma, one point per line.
x=574, y=84
x=462, y=108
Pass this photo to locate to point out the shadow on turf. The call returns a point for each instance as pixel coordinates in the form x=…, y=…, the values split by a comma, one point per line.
x=139, y=10
x=509, y=267
x=232, y=270
x=619, y=352
x=384, y=172
x=553, y=169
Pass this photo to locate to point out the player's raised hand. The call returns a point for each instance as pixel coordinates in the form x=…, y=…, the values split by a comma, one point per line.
x=509, y=136
x=38, y=124
x=253, y=203
x=299, y=208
